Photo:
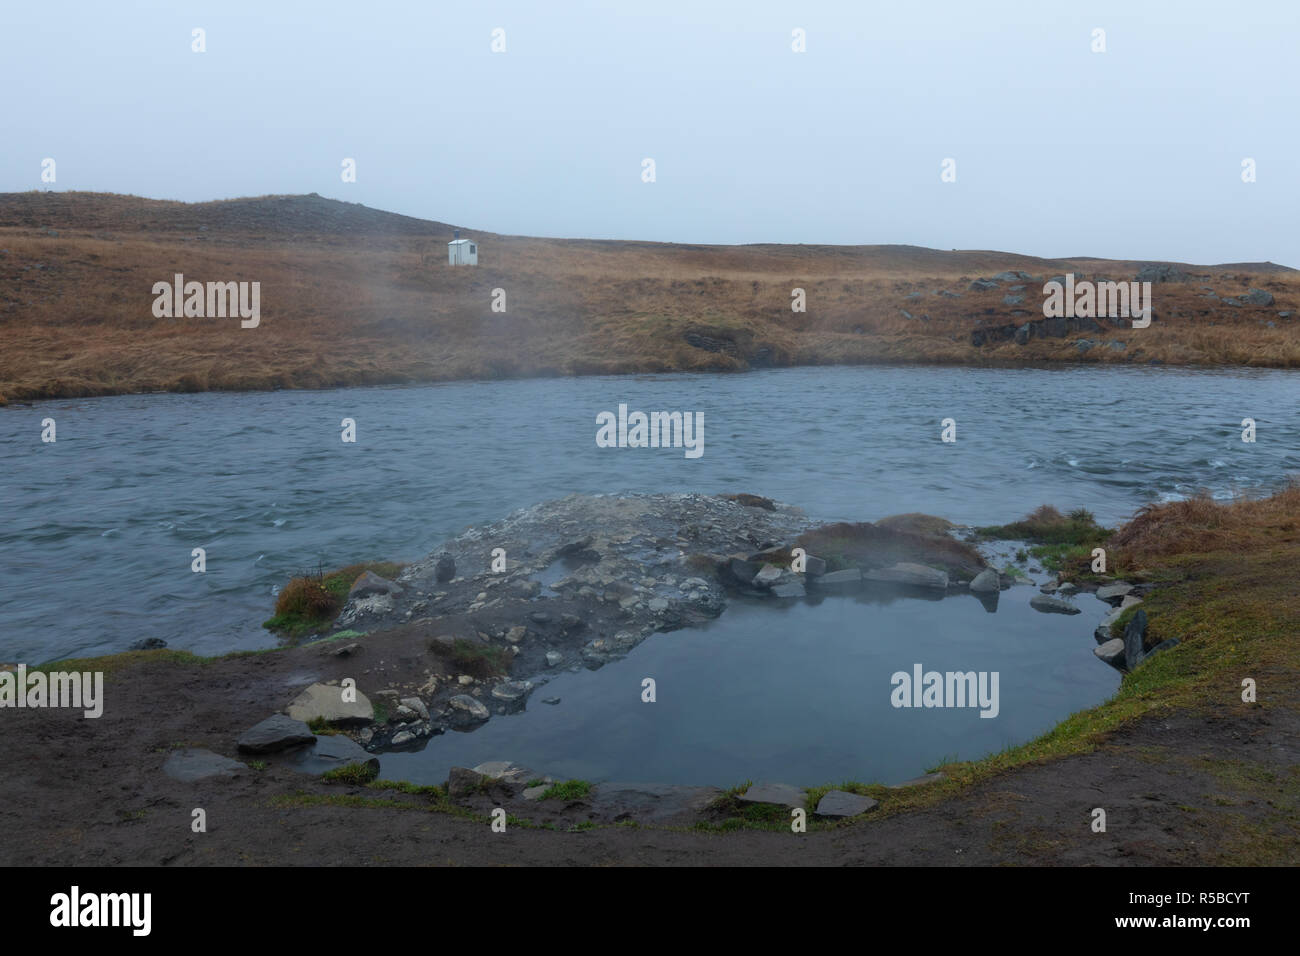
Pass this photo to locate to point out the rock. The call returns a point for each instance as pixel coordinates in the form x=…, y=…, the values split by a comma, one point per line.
x=403, y=715
x=535, y=793
x=1161, y=273
x=849, y=577
x=516, y=634
x=789, y=589
x=814, y=566
x=841, y=803
x=325, y=702
x=275, y=733
x=780, y=794
x=506, y=772
x=982, y=285
x=1129, y=601
x=1162, y=646
x=1112, y=652
x=657, y=605
x=1084, y=344
x=742, y=572
x=370, y=584
x=986, y=580
x=1067, y=588
x=554, y=658
x=1113, y=593
x=1007, y=276
x=768, y=576
x=1257, y=297
x=1012, y=299
x=416, y=705
x=1135, y=633
x=1052, y=605
x=461, y=781
x=1102, y=634
x=445, y=568
x=1115, y=345
x=512, y=690
x=571, y=623
x=402, y=737
x=917, y=575
x=329, y=752
x=191, y=764
x=550, y=700
x=469, y=707
x=347, y=650
x=540, y=617
x=150, y=644
x=1049, y=587
x=1023, y=334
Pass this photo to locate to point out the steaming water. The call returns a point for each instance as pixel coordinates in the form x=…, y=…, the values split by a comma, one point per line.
x=98, y=526
x=799, y=693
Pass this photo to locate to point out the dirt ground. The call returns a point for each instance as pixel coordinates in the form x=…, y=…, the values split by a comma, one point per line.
x=1218, y=786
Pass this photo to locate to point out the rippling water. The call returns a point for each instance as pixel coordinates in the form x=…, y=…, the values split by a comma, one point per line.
x=98, y=526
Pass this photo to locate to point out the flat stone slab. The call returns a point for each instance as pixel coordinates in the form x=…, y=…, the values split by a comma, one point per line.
x=841, y=803
x=277, y=732
x=780, y=794
x=325, y=702
x=849, y=577
x=789, y=589
x=1111, y=592
x=329, y=752
x=469, y=707
x=1052, y=605
x=191, y=764
x=917, y=575
x=512, y=690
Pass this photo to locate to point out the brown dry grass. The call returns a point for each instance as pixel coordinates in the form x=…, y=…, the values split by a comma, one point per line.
x=353, y=296
x=1201, y=524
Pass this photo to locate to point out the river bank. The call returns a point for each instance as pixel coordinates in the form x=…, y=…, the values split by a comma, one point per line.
x=1187, y=770
x=355, y=296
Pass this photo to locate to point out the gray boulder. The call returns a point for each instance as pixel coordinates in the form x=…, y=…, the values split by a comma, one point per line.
x=1113, y=593
x=329, y=752
x=841, y=803
x=469, y=708
x=1135, y=633
x=325, y=702
x=191, y=764
x=849, y=577
x=1257, y=297
x=768, y=576
x=445, y=568
x=370, y=584
x=1112, y=652
x=987, y=580
x=917, y=575
x=275, y=733
x=1052, y=605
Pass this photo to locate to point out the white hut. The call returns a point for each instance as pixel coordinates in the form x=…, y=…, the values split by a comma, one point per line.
x=462, y=252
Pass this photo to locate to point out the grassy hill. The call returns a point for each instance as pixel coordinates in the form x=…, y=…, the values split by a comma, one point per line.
x=352, y=295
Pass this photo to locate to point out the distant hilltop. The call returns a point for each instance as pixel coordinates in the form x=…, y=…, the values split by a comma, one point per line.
x=357, y=296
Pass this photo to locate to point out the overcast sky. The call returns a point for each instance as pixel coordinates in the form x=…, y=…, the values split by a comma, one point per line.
x=1132, y=153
